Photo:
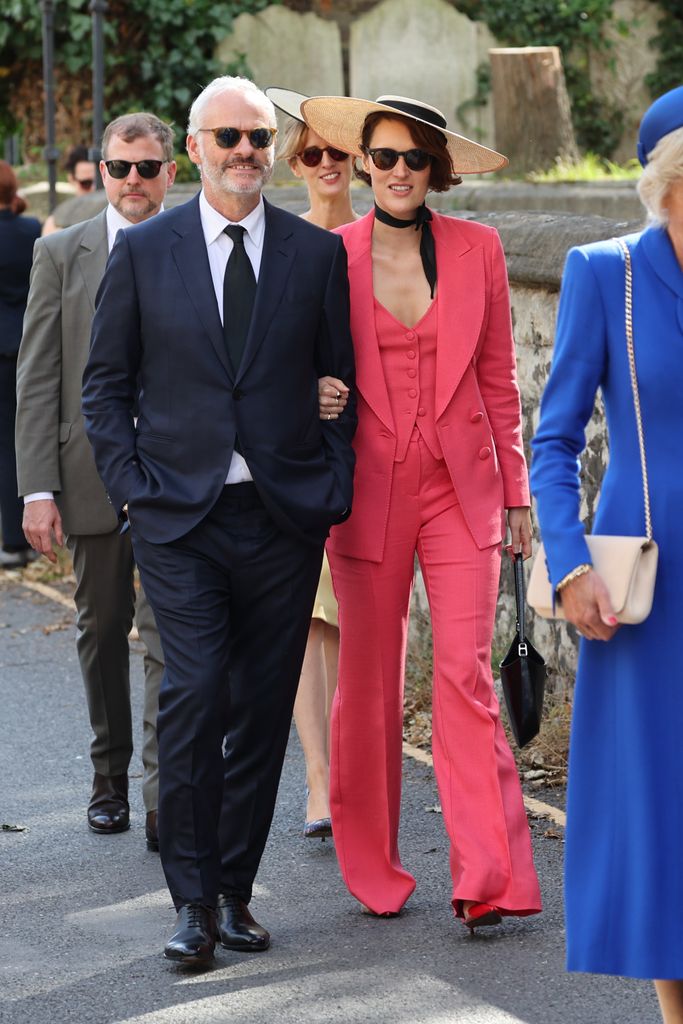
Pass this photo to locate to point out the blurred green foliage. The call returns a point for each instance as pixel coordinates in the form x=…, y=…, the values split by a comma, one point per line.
x=158, y=56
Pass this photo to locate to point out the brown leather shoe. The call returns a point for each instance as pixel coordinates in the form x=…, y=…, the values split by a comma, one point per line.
x=108, y=810
x=152, y=831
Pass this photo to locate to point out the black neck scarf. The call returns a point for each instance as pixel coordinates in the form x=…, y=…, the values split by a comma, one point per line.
x=427, y=251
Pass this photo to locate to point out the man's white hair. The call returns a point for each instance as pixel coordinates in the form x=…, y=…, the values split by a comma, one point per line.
x=663, y=168
x=228, y=83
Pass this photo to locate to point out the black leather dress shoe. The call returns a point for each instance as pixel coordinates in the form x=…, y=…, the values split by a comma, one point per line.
x=152, y=831
x=237, y=929
x=194, y=939
x=108, y=810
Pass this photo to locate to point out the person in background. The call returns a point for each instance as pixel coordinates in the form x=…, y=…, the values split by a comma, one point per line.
x=439, y=461
x=17, y=237
x=80, y=173
x=623, y=882
x=327, y=174
x=63, y=494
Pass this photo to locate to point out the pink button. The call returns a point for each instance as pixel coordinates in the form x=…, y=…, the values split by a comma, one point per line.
x=410, y=335
x=421, y=411
x=411, y=373
x=476, y=417
x=410, y=353
x=484, y=453
x=412, y=392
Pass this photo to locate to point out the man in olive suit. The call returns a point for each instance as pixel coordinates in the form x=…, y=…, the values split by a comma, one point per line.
x=63, y=494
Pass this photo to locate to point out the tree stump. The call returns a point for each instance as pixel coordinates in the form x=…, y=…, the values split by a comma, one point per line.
x=531, y=109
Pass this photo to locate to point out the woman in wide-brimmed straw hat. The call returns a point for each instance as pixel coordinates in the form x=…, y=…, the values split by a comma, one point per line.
x=439, y=460
x=326, y=172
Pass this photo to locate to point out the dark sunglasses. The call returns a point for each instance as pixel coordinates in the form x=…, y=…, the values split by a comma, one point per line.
x=145, y=168
x=86, y=183
x=385, y=159
x=228, y=138
x=313, y=155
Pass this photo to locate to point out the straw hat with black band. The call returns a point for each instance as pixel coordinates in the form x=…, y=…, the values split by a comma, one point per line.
x=340, y=120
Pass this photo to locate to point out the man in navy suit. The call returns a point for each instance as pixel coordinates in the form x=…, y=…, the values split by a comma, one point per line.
x=221, y=315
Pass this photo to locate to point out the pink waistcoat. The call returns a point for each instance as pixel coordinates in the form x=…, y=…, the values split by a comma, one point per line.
x=409, y=363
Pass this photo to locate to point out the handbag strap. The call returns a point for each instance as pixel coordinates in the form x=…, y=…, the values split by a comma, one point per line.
x=520, y=598
x=634, y=382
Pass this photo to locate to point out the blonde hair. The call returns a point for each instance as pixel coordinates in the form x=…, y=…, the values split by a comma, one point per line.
x=292, y=139
x=664, y=167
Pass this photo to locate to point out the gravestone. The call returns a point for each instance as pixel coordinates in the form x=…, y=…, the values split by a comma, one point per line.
x=281, y=47
x=294, y=51
x=429, y=51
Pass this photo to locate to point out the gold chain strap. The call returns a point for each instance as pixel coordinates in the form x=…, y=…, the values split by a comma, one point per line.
x=634, y=383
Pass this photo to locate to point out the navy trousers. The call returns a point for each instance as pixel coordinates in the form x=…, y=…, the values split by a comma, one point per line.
x=232, y=600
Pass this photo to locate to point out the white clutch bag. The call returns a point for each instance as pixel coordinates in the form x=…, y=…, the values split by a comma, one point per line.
x=628, y=565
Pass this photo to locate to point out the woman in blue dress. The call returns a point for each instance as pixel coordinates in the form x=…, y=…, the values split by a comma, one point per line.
x=624, y=849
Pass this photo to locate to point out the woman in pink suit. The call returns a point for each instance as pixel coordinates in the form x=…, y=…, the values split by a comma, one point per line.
x=439, y=460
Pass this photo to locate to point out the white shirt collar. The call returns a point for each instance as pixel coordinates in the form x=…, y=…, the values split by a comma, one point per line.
x=214, y=222
x=117, y=222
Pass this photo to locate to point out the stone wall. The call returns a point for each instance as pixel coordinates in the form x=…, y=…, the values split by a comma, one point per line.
x=536, y=245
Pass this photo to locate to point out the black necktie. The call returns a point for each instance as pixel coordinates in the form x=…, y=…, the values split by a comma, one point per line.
x=239, y=289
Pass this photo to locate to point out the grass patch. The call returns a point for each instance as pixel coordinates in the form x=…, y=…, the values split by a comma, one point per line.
x=590, y=168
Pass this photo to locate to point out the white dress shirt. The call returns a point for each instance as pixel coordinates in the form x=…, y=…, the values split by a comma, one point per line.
x=115, y=223
x=219, y=246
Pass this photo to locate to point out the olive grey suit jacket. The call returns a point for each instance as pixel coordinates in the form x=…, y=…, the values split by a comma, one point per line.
x=53, y=452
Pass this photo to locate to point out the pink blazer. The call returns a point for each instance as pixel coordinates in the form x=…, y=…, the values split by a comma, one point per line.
x=477, y=408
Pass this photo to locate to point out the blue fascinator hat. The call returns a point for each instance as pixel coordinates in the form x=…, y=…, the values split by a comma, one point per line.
x=664, y=116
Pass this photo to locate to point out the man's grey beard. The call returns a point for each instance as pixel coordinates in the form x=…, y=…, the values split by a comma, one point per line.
x=221, y=183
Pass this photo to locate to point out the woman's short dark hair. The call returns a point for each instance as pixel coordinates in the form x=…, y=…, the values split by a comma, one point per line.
x=442, y=174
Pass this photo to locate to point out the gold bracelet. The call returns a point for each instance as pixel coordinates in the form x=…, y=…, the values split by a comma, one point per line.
x=580, y=570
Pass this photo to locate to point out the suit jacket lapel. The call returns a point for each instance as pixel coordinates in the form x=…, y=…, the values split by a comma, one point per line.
x=461, y=295
x=192, y=260
x=370, y=379
x=92, y=258
x=277, y=260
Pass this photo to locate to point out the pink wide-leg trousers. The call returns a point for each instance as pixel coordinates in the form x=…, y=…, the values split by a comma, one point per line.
x=480, y=793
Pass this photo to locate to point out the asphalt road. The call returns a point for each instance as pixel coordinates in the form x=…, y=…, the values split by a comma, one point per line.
x=83, y=918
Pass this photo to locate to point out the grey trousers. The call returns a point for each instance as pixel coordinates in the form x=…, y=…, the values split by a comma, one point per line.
x=106, y=605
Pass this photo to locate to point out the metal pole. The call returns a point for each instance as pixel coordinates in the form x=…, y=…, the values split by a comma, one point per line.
x=50, y=152
x=98, y=8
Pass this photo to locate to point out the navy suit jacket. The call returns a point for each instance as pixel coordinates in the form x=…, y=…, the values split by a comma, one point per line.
x=158, y=340
x=17, y=237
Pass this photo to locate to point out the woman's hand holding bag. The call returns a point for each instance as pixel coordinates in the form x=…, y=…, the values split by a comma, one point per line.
x=586, y=604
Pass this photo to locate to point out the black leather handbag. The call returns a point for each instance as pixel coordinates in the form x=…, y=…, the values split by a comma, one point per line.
x=522, y=673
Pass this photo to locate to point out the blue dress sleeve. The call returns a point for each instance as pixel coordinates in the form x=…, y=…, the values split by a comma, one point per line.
x=578, y=368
